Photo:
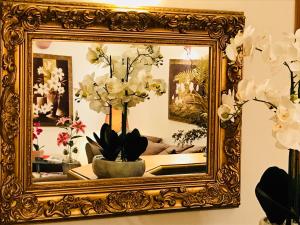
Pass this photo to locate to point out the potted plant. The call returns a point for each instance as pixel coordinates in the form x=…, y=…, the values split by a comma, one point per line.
x=286, y=118
x=127, y=83
x=72, y=129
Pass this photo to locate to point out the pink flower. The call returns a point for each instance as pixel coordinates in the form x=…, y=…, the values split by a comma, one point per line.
x=78, y=126
x=63, y=138
x=62, y=120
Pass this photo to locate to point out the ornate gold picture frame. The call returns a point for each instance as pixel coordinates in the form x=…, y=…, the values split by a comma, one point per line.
x=22, y=200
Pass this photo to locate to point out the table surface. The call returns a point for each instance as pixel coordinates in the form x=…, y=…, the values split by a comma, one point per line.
x=151, y=161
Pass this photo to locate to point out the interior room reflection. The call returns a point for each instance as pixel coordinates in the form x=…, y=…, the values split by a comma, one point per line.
x=175, y=122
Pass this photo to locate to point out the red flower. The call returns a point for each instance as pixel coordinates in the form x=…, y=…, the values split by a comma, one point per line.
x=63, y=138
x=62, y=120
x=78, y=126
x=38, y=131
x=34, y=136
x=36, y=124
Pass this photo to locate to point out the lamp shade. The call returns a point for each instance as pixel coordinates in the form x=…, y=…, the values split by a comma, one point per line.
x=116, y=120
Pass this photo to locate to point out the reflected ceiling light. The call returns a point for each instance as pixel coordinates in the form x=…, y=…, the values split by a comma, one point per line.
x=43, y=44
x=130, y=3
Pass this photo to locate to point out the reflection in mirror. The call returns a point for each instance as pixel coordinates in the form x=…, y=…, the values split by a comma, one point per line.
x=166, y=94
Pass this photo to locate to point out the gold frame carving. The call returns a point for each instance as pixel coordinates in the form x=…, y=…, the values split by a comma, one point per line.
x=21, y=200
x=297, y=14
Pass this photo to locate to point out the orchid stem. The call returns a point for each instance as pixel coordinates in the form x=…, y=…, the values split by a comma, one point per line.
x=293, y=171
x=292, y=87
x=110, y=107
x=263, y=101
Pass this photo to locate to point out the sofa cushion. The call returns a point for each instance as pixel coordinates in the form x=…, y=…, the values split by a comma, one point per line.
x=154, y=139
x=91, y=151
x=173, y=149
x=155, y=148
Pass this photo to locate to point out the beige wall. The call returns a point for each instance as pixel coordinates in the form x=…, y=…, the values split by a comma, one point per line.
x=258, y=150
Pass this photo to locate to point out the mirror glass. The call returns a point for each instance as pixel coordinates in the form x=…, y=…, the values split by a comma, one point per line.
x=174, y=121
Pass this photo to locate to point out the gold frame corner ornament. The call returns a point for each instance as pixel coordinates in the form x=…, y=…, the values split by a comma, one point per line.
x=21, y=201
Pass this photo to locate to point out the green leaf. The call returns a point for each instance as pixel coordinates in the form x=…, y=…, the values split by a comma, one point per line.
x=75, y=150
x=36, y=147
x=76, y=136
x=71, y=143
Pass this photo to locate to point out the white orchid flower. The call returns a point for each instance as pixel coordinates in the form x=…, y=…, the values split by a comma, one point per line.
x=114, y=85
x=228, y=99
x=40, y=70
x=269, y=52
x=287, y=112
x=227, y=110
x=246, y=90
x=88, y=79
x=58, y=73
x=61, y=90
x=130, y=54
x=36, y=109
x=133, y=84
x=130, y=82
x=262, y=89
x=96, y=105
x=287, y=137
x=231, y=51
x=44, y=109
x=266, y=93
x=54, y=84
x=87, y=85
x=158, y=85
x=96, y=54
x=119, y=67
x=240, y=39
x=41, y=89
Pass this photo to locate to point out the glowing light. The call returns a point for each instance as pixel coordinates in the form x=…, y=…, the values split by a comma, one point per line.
x=130, y=3
x=190, y=53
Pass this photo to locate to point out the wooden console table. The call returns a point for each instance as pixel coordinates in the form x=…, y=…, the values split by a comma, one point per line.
x=152, y=161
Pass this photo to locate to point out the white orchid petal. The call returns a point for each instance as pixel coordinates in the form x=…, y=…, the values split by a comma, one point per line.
x=231, y=52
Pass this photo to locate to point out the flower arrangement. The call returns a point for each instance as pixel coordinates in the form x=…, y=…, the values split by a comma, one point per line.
x=67, y=137
x=51, y=87
x=284, y=105
x=127, y=83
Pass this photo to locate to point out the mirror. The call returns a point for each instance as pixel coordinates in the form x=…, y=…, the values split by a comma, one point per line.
x=59, y=67
x=181, y=156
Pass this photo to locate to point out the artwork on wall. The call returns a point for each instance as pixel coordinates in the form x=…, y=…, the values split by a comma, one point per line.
x=188, y=90
x=52, y=88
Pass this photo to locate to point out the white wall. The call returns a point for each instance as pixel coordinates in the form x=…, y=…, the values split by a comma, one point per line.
x=258, y=150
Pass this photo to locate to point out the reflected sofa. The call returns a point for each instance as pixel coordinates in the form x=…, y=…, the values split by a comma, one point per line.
x=156, y=146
